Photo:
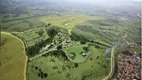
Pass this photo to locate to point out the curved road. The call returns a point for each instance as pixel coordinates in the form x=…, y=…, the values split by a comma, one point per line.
x=112, y=65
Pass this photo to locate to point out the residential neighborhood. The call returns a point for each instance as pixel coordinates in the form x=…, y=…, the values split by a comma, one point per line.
x=129, y=67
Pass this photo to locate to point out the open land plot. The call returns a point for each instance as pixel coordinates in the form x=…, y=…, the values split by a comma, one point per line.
x=13, y=59
x=81, y=35
x=69, y=21
x=95, y=67
x=78, y=54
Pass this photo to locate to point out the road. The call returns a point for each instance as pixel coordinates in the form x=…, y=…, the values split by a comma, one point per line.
x=112, y=65
x=53, y=49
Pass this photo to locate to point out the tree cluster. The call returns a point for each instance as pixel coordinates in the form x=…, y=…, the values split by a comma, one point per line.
x=52, y=32
x=34, y=50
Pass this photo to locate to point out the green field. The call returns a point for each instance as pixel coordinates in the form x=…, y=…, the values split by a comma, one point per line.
x=13, y=59
x=69, y=21
x=77, y=50
x=108, y=31
x=95, y=67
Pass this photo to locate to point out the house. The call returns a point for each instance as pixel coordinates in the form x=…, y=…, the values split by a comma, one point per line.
x=83, y=54
x=72, y=56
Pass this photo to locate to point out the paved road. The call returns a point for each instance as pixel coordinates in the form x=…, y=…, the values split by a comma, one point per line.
x=112, y=65
x=53, y=49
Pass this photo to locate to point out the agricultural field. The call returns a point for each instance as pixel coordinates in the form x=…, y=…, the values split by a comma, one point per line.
x=12, y=58
x=105, y=31
x=69, y=21
x=20, y=25
x=33, y=36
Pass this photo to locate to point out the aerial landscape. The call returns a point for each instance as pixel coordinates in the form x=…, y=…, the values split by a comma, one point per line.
x=70, y=40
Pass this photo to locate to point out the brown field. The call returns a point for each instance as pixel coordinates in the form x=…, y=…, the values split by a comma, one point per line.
x=12, y=58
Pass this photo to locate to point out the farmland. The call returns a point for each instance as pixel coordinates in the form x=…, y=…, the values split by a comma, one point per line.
x=105, y=31
x=21, y=24
x=33, y=36
x=13, y=58
x=68, y=21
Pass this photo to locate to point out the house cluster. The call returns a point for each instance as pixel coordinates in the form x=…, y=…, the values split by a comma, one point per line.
x=129, y=67
x=73, y=55
x=64, y=39
x=131, y=45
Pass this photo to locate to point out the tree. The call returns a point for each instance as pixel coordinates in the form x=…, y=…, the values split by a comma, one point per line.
x=82, y=42
x=52, y=32
x=36, y=68
x=85, y=48
x=49, y=24
x=76, y=65
x=45, y=75
x=46, y=25
x=40, y=32
x=59, y=47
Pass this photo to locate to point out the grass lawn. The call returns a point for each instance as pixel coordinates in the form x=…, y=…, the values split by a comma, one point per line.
x=46, y=65
x=69, y=21
x=13, y=59
x=77, y=50
x=96, y=67
x=93, y=66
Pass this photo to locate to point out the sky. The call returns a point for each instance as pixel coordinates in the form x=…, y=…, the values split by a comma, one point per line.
x=97, y=1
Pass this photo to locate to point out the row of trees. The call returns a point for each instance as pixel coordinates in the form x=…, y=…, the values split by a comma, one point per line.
x=77, y=37
x=58, y=53
x=34, y=50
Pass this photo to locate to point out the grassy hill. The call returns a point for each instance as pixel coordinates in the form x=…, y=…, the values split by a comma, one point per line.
x=13, y=59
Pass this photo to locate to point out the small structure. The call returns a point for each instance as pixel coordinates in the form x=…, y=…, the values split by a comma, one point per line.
x=83, y=54
x=107, y=51
x=72, y=55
